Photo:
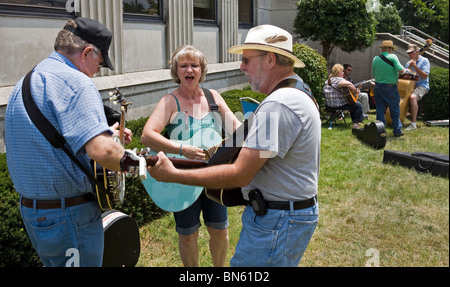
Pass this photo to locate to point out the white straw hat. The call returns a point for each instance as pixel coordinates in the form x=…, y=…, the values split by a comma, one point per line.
x=268, y=38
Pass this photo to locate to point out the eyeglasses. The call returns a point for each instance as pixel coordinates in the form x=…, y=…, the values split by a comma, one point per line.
x=102, y=62
x=246, y=60
x=349, y=70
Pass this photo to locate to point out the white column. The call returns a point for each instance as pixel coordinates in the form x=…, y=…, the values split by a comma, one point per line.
x=179, y=23
x=110, y=14
x=228, y=22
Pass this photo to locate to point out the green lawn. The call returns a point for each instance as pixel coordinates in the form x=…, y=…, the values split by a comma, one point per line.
x=370, y=212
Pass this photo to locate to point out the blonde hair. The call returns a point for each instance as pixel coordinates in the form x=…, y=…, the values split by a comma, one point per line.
x=191, y=53
x=336, y=70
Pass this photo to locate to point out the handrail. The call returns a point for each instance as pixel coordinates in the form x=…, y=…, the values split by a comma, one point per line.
x=438, y=46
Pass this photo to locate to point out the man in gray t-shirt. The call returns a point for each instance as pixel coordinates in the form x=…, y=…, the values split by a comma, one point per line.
x=278, y=165
x=292, y=125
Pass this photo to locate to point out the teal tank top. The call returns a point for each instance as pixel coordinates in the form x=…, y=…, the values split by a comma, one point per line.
x=183, y=127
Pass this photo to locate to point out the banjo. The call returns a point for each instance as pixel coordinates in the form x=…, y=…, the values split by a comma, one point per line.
x=112, y=181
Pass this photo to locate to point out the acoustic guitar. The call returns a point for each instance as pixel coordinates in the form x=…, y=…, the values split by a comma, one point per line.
x=351, y=97
x=113, y=181
x=175, y=197
x=227, y=152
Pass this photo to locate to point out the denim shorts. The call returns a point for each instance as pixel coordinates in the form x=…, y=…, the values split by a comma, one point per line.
x=71, y=236
x=215, y=216
x=277, y=239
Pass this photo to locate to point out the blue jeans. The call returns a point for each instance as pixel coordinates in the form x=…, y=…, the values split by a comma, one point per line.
x=277, y=239
x=387, y=96
x=71, y=236
x=356, y=112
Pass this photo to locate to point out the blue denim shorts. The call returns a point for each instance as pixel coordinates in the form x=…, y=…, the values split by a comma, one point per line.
x=215, y=216
x=71, y=236
x=277, y=239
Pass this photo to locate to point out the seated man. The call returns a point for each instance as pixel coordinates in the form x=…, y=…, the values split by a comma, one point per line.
x=334, y=95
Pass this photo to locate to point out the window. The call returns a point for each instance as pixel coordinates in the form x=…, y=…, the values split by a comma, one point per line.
x=133, y=10
x=52, y=8
x=145, y=7
x=205, y=10
x=142, y=10
x=49, y=3
x=245, y=13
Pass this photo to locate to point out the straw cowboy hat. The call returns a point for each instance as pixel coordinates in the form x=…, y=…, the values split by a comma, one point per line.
x=388, y=44
x=271, y=39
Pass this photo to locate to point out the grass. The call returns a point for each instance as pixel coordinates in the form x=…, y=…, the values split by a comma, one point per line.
x=369, y=211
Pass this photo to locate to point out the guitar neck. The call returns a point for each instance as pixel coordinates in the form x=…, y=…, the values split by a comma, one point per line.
x=122, y=128
x=181, y=163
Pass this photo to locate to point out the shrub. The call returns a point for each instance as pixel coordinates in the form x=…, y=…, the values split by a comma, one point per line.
x=232, y=98
x=15, y=247
x=315, y=71
x=434, y=105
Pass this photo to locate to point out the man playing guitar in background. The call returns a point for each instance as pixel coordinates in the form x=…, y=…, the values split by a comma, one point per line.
x=421, y=66
x=363, y=98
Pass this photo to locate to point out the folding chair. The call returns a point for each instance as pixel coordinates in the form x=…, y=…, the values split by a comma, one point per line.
x=334, y=114
x=249, y=106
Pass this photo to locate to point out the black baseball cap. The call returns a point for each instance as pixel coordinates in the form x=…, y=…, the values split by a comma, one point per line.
x=94, y=33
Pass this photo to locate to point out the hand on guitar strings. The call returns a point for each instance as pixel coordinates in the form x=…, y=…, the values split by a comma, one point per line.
x=193, y=152
x=163, y=170
x=127, y=132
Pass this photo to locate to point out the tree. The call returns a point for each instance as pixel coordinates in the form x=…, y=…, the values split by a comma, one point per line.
x=389, y=21
x=336, y=23
x=430, y=16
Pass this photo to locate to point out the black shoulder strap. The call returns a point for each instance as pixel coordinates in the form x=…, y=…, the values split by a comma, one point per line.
x=389, y=62
x=39, y=120
x=47, y=129
x=212, y=104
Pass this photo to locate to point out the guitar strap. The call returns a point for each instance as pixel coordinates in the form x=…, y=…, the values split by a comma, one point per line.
x=47, y=129
x=387, y=61
x=293, y=83
x=213, y=106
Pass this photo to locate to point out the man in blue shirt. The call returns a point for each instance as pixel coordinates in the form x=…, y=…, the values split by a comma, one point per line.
x=421, y=66
x=56, y=198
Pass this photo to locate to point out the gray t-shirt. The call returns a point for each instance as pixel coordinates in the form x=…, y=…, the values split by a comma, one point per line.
x=287, y=129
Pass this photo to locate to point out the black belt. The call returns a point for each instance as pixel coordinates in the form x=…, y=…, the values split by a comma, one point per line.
x=53, y=204
x=285, y=205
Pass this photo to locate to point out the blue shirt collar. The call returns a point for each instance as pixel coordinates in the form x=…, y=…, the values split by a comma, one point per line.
x=61, y=58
